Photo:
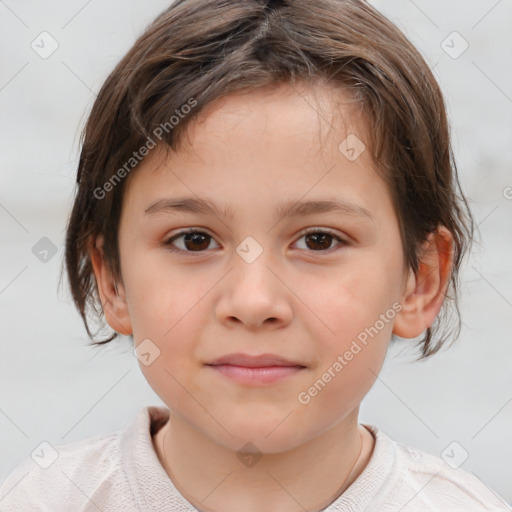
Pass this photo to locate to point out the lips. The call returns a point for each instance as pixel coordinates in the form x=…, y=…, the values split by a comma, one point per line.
x=259, y=370
x=258, y=361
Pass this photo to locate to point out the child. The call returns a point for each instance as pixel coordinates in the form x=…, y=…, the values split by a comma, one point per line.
x=258, y=130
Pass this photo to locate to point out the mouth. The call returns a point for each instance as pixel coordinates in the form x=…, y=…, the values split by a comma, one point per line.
x=255, y=370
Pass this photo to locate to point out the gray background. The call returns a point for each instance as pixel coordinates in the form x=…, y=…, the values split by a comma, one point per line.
x=55, y=388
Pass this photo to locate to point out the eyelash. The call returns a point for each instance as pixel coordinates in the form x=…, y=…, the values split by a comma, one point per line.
x=172, y=248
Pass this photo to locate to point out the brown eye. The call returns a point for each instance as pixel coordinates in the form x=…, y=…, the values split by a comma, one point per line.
x=321, y=240
x=192, y=241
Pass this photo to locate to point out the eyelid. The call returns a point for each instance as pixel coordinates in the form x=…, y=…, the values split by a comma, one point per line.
x=342, y=241
x=170, y=238
x=320, y=229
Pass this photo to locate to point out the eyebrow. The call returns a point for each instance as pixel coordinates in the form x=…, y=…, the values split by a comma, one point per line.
x=289, y=209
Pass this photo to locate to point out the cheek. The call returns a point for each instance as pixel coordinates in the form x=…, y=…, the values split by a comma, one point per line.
x=173, y=374
x=349, y=361
x=355, y=307
x=348, y=298
x=161, y=296
x=166, y=309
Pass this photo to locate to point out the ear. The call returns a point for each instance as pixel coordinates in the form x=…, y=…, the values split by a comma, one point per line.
x=112, y=293
x=425, y=292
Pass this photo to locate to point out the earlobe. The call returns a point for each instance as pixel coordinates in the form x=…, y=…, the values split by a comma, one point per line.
x=425, y=291
x=111, y=293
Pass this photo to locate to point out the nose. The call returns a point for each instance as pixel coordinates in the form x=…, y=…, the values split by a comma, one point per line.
x=254, y=296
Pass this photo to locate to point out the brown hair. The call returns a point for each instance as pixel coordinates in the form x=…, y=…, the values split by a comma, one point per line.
x=197, y=51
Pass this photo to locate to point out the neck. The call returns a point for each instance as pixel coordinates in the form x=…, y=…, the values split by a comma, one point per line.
x=309, y=477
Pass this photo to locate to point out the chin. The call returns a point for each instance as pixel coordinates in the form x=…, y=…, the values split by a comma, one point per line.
x=261, y=436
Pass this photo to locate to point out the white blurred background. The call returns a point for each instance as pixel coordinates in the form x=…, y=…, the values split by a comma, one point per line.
x=54, y=387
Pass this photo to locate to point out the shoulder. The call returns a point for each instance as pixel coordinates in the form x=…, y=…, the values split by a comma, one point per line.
x=71, y=476
x=426, y=482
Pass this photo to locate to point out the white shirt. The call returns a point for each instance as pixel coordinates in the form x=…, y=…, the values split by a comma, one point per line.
x=120, y=472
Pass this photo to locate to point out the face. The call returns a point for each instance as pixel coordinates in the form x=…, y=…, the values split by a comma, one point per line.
x=307, y=287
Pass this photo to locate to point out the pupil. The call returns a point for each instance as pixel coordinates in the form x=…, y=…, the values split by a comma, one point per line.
x=195, y=238
x=324, y=237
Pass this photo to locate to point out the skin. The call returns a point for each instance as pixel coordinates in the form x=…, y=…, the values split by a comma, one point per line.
x=298, y=300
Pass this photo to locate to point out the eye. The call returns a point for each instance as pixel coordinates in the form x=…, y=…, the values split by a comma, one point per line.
x=193, y=241
x=321, y=240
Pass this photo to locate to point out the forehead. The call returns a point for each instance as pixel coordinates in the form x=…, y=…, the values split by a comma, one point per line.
x=271, y=144
x=314, y=114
